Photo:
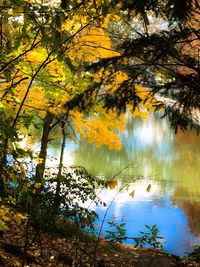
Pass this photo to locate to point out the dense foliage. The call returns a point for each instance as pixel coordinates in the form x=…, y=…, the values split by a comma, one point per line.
x=71, y=68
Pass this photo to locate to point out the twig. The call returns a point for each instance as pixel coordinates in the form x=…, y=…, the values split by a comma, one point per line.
x=104, y=217
x=126, y=167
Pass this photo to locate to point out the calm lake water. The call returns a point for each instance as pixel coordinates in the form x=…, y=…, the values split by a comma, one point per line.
x=164, y=180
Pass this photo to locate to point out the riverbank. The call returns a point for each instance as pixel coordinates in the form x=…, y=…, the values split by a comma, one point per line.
x=56, y=253
x=170, y=102
x=43, y=250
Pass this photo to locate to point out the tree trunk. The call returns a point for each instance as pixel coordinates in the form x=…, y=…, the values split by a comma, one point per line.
x=57, y=195
x=3, y=164
x=43, y=150
x=1, y=33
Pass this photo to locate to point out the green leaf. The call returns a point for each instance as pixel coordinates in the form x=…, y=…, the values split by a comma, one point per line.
x=3, y=226
x=20, y=151
x=1, y=105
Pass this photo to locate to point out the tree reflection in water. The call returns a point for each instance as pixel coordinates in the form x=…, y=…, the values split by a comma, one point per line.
x=169, y=162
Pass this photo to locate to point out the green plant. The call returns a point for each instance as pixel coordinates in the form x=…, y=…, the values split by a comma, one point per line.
x=150, y=238
x=117, y=235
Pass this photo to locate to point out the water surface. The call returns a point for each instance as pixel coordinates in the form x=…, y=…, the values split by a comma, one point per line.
x=164, y=177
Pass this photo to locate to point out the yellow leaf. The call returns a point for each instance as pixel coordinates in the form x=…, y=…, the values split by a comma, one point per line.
x=23, y=173
x=92, y=44
x=3, y=226
x=18, y=218
x=39, y=160
x=37, y=185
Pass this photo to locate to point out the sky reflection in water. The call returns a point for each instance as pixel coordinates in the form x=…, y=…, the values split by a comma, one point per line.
x=170, y=164
x=154, y=209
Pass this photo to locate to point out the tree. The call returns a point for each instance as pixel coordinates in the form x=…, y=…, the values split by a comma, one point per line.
x=67, y=46
x=77, y=66
x=61, y=63
x=47, y=78
x=160, y=52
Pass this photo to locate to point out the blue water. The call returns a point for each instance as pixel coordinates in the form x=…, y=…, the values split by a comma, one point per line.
x=167, y=162
x=169, y=219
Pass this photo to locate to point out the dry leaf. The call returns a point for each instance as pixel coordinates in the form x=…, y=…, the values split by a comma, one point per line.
x=132, y=194
x=148, y=188
x=112, y=184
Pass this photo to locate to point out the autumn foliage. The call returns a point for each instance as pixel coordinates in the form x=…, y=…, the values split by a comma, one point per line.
x=66, y=71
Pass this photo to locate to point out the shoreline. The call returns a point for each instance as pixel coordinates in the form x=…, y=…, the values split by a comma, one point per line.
x=195, y=113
